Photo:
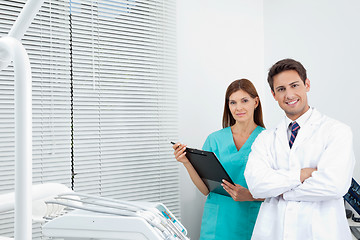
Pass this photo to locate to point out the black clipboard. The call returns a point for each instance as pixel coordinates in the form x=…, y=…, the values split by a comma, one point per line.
x=209, y=168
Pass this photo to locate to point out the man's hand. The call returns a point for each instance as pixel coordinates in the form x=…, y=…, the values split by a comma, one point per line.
x=306, y=173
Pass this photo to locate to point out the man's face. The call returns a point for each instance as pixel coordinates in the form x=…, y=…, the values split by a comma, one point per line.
x=290, y=93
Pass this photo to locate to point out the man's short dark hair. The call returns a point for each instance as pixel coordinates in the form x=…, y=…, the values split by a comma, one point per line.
x=285, y=65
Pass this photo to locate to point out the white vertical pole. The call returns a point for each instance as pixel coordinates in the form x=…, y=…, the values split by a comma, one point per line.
x=23, y=135
x=23, y=118
x=23, y=144
x=12, y=49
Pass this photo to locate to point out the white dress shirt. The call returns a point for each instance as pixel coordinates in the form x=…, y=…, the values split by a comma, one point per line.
x=313, y=209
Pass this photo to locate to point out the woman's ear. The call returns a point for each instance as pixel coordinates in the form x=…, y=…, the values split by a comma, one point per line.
x=257, y=100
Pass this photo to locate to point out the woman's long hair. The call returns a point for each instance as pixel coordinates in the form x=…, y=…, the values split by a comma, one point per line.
x=247, y=86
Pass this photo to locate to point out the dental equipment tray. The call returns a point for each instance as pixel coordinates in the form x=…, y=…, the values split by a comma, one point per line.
x=107, y=219
x=353, y=196
x=209, y=168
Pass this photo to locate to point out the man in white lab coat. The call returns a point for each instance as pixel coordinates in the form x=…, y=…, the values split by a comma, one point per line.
x=302, y=169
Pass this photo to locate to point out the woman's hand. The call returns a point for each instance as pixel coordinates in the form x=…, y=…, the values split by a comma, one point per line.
x=180, y=153
x=237, y=192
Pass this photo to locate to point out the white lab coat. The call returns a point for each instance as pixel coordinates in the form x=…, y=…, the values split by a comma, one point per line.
x=294, y=210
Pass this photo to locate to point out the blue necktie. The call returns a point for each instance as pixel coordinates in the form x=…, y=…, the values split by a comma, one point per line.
x=294, y=130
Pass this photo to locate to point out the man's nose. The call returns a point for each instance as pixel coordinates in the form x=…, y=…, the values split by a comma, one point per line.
x=290, y=94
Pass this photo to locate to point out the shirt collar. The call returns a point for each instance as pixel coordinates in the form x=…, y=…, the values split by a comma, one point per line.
x=301, y=120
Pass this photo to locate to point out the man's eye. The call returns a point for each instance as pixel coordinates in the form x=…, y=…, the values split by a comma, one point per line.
x=280, y=89
x=295, y=85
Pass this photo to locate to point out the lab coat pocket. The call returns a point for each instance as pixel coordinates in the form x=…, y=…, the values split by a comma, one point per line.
x=209, y=221
x=267, y=220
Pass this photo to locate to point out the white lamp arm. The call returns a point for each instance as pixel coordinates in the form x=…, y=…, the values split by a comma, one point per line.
x=25, y=18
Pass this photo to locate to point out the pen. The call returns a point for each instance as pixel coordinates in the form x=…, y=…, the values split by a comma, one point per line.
x=173, y=143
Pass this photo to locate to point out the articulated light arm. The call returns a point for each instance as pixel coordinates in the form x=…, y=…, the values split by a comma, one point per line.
x=22, y=23
x=11, y=49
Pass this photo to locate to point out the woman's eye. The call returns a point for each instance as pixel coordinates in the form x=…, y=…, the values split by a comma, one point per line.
x=245, y=100
x=232, y=103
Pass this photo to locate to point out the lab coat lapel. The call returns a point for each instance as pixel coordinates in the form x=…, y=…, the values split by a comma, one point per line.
x=281, y=136
x=308, y=129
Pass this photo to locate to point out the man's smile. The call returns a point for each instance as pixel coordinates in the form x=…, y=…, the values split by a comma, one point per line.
x=292, y=102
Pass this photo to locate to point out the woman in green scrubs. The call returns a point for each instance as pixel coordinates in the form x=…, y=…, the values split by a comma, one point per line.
x=227, y=218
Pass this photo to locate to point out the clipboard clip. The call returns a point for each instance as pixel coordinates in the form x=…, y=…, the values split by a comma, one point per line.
x=195, y=151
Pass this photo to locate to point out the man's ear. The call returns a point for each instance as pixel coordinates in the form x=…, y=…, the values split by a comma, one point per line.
x=272, y=92
x=307, y=84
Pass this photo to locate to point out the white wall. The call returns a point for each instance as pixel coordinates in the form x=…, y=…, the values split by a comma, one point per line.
x=218, y=42
x=324, y=35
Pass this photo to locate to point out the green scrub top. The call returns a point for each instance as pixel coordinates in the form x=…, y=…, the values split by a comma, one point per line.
x=224, y=218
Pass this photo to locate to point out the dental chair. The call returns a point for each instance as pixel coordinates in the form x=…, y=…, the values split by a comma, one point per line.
x=68, y=215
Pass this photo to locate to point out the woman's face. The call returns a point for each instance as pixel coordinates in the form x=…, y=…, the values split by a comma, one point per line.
x=242, y=106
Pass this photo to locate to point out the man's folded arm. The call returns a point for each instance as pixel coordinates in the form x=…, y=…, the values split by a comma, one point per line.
x=262, y=179
x=334, y=171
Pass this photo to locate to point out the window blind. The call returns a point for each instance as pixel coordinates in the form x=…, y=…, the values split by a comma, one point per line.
x=125, y=99
x=118, y=57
